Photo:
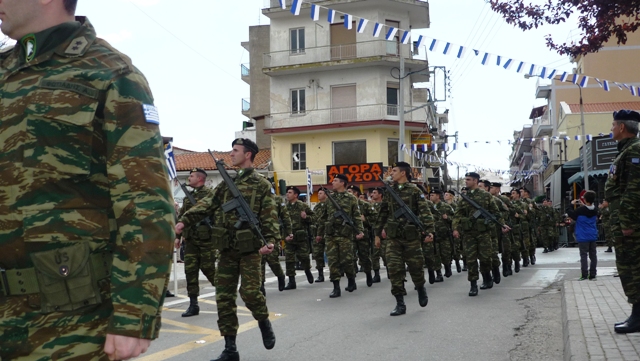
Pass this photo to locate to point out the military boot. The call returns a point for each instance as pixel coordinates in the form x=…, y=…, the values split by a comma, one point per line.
x=458, y=268
x=309, y=275
x=336, y=290
x=422, y=296
x=369, y=279
x=439, y=276
x=292, y=283
x=401, y=308
x=496, y=275
x=487, y=281
x=474, y=289
x=632, y=324
x=517, y=266
x=268, y=337
x=505, y=269
x=447, y=270
x=262, y=290
x=351, y=285
x=432, y=276
x=193, y=309
x=281, y=281
x=169, y=294
x=320, y=275
x=525, y=261
x=230, y=352
x=464, y=266
x=545, y=250
x=376, y=276
x=609, y=250
x=510, y=270
x=533, y=259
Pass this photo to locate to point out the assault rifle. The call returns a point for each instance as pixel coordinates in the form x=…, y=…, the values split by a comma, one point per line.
x=480, y=212
x=193, y=201
x=238, y=203
x=403, y=210
x=340, y=213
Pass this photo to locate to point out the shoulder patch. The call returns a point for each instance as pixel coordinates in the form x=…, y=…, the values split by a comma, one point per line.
x=151, y=114
x=635, y=160
x=77, y=46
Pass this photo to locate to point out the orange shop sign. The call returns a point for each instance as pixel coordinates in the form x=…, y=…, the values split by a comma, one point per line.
x=421, y=138
x=363, y=172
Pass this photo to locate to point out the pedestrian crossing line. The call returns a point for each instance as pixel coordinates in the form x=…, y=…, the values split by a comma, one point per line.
x=205, y=312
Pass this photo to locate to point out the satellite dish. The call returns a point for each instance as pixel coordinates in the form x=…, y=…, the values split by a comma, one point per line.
x=296, y=157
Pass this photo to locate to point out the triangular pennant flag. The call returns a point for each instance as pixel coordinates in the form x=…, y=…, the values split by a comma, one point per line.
x=362, y=24
x=476, y=52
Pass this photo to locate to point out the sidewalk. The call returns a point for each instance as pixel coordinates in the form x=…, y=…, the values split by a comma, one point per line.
x=589, y=311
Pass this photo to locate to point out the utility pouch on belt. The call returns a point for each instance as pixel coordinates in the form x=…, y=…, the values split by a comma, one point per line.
x=220, y=238
x=480, y=225
x=465, y=224
x=66, y=278
x=203, y=232
x=344, y=230
x=300, y=236
x=392, y=230
x=411, y=232
x=328, y=228
x=244, y=241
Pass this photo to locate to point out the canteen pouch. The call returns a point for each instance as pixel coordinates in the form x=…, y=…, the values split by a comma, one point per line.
x=203, y=232
x=66, y=280
x=392, y=230
x=219, y=238
x=344, y=230
x=244, y=241
x=411, y=232
x=300, y=236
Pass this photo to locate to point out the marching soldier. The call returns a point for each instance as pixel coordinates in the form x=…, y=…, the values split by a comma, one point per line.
x=532, y=217
x=297, y=245
x=240, y=249
x=319, y=246
x=403, y=237
x=443, y=216
x=273, y=258
x=363, y=246
x=378, y=253
x=338, y=235
x=506, y=239
x=199, y=253
x=522, y=231
x=449, y=197
x=485, y=185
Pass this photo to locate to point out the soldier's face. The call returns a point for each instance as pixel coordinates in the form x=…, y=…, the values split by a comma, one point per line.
x=470, y=182
x=481, y=186
x=448, y=197
x=396, y=174
x=434, y=197
x=515, y=195
x=321, y=196
x=291, y=195
x=193, y=179
x=350, y=191
x=494, y=190
x=375, y=195
x=19, y=17
x=238, y=156
x=616, y=129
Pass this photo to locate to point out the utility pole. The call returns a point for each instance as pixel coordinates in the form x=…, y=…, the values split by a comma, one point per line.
x=401, y=110
x=584, y=143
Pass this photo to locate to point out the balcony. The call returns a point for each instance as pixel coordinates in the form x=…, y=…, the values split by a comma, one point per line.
x=246, y=108
x=332, y=57
x=364, y=113
x=542, y=126
x=245, y=72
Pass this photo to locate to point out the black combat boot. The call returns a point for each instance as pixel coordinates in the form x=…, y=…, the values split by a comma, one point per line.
x=281, y=281
x=432, y=276
x=505, y=269
x=351, y=285
x=193, y=309
x=517, y=266
x=268, y=337
x=525, y=261
x=545, y=250
x=292, y=283
x=309, y=275
x=168, y=293
x=464, y=266
x=320, y=275
x=336, y=290
x=376, y=276
x=487, y=281
x=369, y=278
x=439, y=276
x=474, y=289
x=458, y=268
x=401, y=308
x=422, y=296
x=632, y=324
x=510, y=271
x=609, y=250
x=230, y=352
x=447, y=270
x=496, y=275
x=262, y=290
x=533, y=259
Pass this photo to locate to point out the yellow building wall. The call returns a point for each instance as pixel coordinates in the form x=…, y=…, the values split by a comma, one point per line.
x=595, y=123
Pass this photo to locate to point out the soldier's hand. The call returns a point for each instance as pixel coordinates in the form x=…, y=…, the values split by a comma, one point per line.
x=377, y=242
x=288, y=238
x=428, y=238
x=517, y=215
x=266, y=249
x=456, y=234
x=362, y=217
x=303, y=214
x=383, y=234
x=444, y=216
x=318, y=239
x=360, y=235
x=176, y=243
x=505, y=229
x=119, y=347
x=627, y=232
x=179, y=227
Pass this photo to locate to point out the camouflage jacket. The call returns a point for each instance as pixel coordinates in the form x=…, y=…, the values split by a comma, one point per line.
x=255, y=190
x=82, y=161
x=413, y=197
x=622, y=188
x=521, y=208
x=376, y=221
x=443, y=226
x=463, y=219
x=369, y=212
x=318, y=212
x=605, y=213
x=504, y=210
x=283, y=217
x=511, y=213
x=349, y=205
x=295, y=210
x=191, y=234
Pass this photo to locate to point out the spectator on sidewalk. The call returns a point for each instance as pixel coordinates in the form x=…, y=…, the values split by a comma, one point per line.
x=586, y=233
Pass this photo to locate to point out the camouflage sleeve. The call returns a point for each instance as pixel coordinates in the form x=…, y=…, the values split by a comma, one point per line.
x=321, y=218
x=286, y=220
x=205, y=207
x=457, y=217
x=142, y=206
x=383, y=214
x=309, y=212
x=425, y=216
x=448, y=210
x=355, y=211
x=495, y=210
x=630, y=196
x=268, y=215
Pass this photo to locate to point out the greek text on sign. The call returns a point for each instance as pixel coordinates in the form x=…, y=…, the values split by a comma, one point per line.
x=363, y=172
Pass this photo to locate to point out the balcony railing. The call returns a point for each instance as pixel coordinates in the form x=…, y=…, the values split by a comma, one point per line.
x=246, y=105
x=244, y=70
x=339, y=115
x=331, y=53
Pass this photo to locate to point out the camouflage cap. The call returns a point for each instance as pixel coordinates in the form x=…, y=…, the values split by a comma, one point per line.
x=294, y=189
x=626, y=114
x=198, y=170
x=248, y=144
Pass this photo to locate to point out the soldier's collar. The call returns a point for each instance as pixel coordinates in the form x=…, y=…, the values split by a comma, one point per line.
x=243, y=172
x=78, y=43
x=42, y=42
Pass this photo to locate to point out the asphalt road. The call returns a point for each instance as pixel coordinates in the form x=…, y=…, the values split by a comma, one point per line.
x=519, y=319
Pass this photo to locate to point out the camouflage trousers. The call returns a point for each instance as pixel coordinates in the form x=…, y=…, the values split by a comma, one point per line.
x=362, y=249
x=628, y=264
x=431, y=254
x=379, y=253
x=458, y=253
x=445, y=250
x=533, y=240
x=340, y=256
x=231, y=267
x=198, y=256
x=399, y=252
x=273, y=259
x=526, y=239
x=608, y=235
x=505, y=240
x=477, y=248
x=516, y=245
x=495, y=259
x=319, y=249
x=293, y=249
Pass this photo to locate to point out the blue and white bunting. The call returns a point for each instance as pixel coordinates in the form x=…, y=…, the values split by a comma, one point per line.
x=406, y=36
x=566, y=137
x=532, y=69
x=434, y=45
x=455, y=146
x=331, y=16
x=543, y=72
x=309, y=183
x=507, y=65
x=391, y=33
x=348, y=21
x=419, y=42
x=283, y=4
x=563, y=77
x=362, y=24
x=295, y=7
x=485, y=58
x=605, y=85
x=447, y=49
x=434, y=147
x=589, y=138
x=520, y=67
x=498, y=59
x=552, y=74
x=315, y=12
x=574, y=80
x=466, y=145
x=461, y=51
x=377, y=29
x=577, y=137
x=633, y=90
x=584, y=81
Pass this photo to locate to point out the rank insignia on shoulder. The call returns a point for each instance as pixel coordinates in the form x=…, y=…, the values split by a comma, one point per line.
x=635, y=160
x=151, y=114
x=422, y=196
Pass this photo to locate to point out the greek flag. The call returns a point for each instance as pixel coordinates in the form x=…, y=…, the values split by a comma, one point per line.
x=171, y=161
x=309, y=183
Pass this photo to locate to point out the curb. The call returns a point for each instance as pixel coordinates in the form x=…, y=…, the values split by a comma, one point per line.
x=575, y=347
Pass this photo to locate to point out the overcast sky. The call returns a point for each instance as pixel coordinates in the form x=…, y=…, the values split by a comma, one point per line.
x=190, y=52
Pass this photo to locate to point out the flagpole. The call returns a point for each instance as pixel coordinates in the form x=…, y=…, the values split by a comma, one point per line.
x=584, y=142
x=401, y=109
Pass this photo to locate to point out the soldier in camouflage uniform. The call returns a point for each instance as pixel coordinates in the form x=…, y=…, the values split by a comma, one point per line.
x=506, y=239
x=476, y=232
x=241, y=249
x=521, y=232
x=485, y=185
x=403, y=237
x=273, y=258
x=605, y=218
x=362, y=247
x=622, y=190
x=378, y=253
x=338, y=235
x=319, y=246
x=431, y=250
x=298, y=244
x=458, y=252
x=86, y=210
x=532, y=217
x=199, y=253
x=443, y=216
x=547, y=225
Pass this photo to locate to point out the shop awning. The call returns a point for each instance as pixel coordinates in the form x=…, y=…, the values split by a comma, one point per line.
x=592, y=173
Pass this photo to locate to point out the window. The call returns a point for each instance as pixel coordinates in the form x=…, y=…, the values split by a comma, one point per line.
x=343, y=104
x=392, y=151
x=297, y=40
x=297, y=101
x=299, y=156
x=392, y=99
x=351, y=152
